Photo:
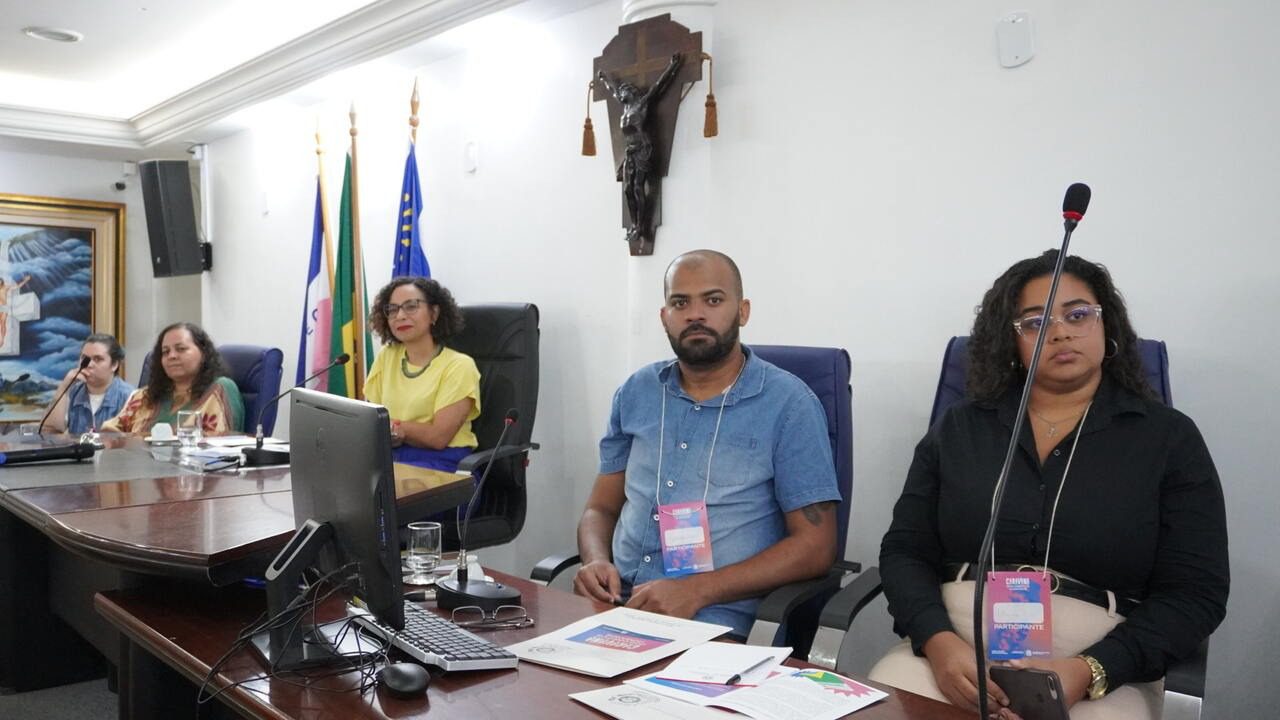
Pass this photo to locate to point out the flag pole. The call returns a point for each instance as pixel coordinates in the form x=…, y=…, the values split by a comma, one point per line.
x=359, y=309
x=324, y=206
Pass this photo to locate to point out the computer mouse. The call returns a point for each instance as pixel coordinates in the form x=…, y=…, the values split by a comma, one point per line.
x=404, y=679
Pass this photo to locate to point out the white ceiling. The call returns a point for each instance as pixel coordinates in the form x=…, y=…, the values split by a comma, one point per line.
x=152, y=74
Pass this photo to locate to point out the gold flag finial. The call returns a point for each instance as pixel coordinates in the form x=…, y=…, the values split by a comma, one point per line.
x=352, y=114
x=413, y=112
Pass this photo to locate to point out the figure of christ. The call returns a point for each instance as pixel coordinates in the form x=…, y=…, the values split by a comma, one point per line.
x=5, y=289
x=637, y=161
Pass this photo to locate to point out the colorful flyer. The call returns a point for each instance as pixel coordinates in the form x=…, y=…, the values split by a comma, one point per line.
x=686, y=541
x=1018, y=615
x=617, y=638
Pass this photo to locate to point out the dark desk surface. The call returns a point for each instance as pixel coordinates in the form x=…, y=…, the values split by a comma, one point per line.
x=189, y=632
x=132, y=508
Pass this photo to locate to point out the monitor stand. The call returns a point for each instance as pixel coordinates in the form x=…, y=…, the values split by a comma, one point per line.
x=293, y=645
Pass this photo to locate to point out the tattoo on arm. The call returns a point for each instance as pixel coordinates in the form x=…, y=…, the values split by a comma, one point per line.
x=815, y=512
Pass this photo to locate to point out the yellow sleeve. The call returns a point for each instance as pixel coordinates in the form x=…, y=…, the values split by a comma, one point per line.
x=373, y=381
x=461, y=379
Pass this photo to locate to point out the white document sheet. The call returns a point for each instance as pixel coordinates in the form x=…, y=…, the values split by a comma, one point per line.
x=616, y=642
x=629, y=703
x=803, y=695
x=726, y=663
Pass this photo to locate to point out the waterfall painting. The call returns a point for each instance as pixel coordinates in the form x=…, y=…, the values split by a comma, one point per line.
x=61, y=278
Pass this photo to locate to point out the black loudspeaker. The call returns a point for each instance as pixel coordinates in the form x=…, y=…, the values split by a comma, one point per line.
x=171, y=218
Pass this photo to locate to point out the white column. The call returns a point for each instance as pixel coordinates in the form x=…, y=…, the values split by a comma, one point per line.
x=687, y=192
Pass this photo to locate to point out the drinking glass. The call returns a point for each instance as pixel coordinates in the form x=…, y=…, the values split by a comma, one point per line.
x=424, y=552
x=190, y=428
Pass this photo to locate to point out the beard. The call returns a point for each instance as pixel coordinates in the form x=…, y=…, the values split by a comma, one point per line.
x=702, y=352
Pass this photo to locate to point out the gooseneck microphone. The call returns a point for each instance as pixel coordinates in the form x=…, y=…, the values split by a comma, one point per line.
x=257, y=456
x=84, y=363
x=461, y=591
x=1074, y=204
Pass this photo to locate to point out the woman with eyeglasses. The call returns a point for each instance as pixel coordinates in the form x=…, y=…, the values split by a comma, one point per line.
x=1112, y=503
x=431, y=391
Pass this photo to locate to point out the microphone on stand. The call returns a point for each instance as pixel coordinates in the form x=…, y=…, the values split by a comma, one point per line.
x=1074, y=204
x=461, y=591
x=84, y=363
x=257, y=456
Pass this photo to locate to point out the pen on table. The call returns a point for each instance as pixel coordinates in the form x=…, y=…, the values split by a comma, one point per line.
x=733, y=679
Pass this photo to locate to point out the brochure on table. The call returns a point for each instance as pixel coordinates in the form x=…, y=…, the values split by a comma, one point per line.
x=726, y=664
x=787, y=695
x=615, y=642
x=630, y=703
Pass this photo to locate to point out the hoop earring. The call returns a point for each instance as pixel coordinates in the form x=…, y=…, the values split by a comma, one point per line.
x=1115, y=349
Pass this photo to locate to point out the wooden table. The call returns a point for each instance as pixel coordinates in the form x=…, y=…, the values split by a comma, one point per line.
x=128, y=518
x=188, y=633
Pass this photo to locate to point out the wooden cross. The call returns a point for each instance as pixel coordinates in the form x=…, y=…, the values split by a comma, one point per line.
x=638, y=54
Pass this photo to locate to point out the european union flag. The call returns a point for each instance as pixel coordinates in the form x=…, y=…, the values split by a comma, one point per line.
x=409, y=257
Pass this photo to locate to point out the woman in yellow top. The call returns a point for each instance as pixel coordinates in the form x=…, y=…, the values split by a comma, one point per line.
x=431, y=392
x=187, y=373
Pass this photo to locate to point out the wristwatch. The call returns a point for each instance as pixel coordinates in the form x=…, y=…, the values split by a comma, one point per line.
x=1098, y=685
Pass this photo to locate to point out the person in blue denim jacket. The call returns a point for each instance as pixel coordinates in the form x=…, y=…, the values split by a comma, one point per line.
x=97, y=391
x=716, y=479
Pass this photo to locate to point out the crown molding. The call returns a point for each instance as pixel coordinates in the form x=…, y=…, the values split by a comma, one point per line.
x=367, y=33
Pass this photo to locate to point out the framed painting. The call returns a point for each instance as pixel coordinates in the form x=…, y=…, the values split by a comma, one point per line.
x=61, y=278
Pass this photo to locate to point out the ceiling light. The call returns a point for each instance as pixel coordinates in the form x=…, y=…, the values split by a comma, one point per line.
x=53, y=34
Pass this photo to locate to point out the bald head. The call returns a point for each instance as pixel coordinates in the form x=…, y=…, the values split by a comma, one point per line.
x=699, y=259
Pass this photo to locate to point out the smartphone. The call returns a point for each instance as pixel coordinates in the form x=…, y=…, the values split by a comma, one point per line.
x=1033, y=694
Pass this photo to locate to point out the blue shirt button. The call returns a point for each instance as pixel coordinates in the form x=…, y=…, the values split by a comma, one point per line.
x=684, y=446
x=646, y=558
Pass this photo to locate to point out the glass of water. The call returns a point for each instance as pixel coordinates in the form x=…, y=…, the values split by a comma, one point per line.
x=190, y=428
x=424, y=552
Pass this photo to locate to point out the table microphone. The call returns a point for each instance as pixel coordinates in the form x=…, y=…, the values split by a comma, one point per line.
x=460, y=591
x=84, y=363
x=257, y=456
x=1073, y=207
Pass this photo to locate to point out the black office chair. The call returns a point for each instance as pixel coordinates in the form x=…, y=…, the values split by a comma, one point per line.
x=502, y=338
x=256, y=371
x=788, y=616
x=1184, y=681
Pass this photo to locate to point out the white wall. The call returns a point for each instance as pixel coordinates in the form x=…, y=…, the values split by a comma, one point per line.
x=150, y=303
x=876, y=170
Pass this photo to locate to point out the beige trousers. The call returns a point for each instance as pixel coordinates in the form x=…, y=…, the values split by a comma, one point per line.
x=1076, y=626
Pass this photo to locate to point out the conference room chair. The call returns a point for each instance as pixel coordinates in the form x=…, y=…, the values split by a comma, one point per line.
x=502, y=338
x=1184, y=681
x=789, y=615
x=256, y=371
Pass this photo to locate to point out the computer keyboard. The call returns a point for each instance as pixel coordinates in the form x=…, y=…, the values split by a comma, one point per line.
x=433, y=640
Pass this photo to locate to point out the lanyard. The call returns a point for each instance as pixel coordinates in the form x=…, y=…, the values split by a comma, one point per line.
x=662, y=431
x=1053, y=516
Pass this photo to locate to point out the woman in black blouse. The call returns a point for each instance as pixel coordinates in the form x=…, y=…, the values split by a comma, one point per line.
x=1112, y=491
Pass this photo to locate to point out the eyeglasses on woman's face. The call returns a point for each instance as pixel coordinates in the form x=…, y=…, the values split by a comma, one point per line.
x=408, y=306
x=1079, y=320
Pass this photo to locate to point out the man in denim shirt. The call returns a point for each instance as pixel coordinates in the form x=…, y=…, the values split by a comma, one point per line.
x=98, y=392
x=718, y=432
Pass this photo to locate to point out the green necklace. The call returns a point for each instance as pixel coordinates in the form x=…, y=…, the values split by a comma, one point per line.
x=404, y=364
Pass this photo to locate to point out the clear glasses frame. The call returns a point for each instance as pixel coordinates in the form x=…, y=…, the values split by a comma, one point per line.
x=1081, y=318
x=408, y=306
x=505, y=617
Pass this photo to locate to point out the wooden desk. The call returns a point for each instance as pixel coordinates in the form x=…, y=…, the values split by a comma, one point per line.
x=190, y=632
x=129, y=517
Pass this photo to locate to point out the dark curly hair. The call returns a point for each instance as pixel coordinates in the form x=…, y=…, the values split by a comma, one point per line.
x=447, y=324
x=160, y=387
x=994, y=363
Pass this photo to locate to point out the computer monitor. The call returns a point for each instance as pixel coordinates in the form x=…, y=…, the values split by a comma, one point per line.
x=344, y=505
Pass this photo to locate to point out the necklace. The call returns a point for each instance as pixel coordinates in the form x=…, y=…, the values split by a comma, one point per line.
x=404, y=364
x=1053, y=424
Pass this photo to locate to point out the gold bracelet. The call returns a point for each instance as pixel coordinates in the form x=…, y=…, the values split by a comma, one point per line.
x=1098, y=684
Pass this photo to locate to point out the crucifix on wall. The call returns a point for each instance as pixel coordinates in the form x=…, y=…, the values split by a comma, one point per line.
x=640, y=75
